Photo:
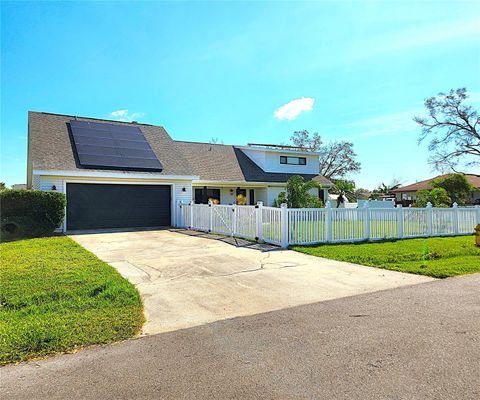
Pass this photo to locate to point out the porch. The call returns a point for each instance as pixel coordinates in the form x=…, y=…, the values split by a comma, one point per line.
x=232, y=194
x=241, y=193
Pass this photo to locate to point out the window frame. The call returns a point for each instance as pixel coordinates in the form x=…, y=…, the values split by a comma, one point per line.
x=284, y=160
x=203, y=196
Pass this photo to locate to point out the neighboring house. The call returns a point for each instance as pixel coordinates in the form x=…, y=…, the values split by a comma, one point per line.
x=121, y=174
x=19, y=186
x=407, y=195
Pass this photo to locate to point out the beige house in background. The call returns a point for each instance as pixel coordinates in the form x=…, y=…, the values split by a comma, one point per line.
x=407, y=195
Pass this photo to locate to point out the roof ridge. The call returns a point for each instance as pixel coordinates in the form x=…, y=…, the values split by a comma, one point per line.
x=96, y=119
x=212, y=144
x=430, y=180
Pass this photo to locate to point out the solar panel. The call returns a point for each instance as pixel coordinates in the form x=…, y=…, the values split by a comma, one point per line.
x=111, y=146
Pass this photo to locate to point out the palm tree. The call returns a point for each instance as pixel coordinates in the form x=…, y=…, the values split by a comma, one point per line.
x=387, y=188
x=298, y=194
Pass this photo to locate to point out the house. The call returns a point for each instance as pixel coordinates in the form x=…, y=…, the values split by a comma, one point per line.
x=407, y=195
x=126, y=174
x=19, y=186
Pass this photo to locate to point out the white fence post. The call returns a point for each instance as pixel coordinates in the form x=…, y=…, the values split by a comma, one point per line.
x=429, y=211
x=178, y=215
x=210, y=216
x=400, y=220
x=477, y=212
x=259, y=222
x=191, y=214
x=455, y=218
x=366, y=221
x=234, y=219
x=284, y=225
x=328, y=220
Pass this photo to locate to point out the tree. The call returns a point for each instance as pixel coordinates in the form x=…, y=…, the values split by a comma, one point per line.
x=453, y=128
x=345, y=190
x=362, y=194
x=385, y=189
x=2, y=186
x=303, y=140
x=337, y=158
x=298, y=194
x=457, y=187
x=438, y=197
x=215, y=140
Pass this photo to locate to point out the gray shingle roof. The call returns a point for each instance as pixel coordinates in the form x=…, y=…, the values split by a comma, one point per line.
x=218, y=162
x=50, y=148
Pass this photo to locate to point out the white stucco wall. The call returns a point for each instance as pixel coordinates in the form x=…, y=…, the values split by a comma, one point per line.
x=270, y=161
x=261, y=195
x=258, y=157
x=272, y=194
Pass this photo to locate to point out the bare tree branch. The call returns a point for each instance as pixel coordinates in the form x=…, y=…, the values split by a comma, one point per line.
x=337, y=158
x=452, y=127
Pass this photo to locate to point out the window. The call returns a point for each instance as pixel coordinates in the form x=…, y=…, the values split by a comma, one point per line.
x=293, y=160
x=202, y=195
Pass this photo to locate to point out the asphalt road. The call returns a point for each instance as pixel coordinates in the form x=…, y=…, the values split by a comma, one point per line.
x=415, y=342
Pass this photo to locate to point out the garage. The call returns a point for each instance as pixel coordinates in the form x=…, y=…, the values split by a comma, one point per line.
x=103, y=206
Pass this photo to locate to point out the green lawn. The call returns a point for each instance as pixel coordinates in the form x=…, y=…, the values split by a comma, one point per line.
x=56, y=296
x=437, y=257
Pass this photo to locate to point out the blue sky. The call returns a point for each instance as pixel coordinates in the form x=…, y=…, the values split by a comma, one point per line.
x=224, y=70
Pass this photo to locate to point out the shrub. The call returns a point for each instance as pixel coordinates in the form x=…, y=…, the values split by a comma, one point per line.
x=457, y=186
x=438, y=197
x=298, y=194
x=30, y=213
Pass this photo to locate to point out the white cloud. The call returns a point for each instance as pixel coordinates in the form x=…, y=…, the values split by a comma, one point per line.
x=119, y=113
x=294, y=108
x=124, y=115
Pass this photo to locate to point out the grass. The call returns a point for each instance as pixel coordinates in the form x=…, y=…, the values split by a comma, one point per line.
x=439, y=257
x=55, y=296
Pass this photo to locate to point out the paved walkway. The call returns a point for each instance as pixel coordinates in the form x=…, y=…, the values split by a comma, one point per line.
x=189, y=279
x=416, y=342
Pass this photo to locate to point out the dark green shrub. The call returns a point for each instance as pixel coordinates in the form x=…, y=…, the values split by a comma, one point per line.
x=30, y=213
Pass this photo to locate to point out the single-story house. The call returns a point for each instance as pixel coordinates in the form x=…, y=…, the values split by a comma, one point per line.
x=128, y=174
x=408, y=194
x=19, y=186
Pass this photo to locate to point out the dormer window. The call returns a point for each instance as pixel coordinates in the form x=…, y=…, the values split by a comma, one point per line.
x=293, y=160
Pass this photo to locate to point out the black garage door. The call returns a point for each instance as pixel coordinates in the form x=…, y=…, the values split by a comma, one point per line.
x=98, y=206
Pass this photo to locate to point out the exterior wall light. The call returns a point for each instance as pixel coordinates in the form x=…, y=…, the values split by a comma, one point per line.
x=54, y=187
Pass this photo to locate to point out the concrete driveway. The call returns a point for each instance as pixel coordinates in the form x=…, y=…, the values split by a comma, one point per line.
x=189, y=279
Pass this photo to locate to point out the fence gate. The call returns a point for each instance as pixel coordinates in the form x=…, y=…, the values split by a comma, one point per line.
x=222, y=219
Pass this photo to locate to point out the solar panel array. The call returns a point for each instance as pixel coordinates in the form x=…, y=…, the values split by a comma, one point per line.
x=111, y=146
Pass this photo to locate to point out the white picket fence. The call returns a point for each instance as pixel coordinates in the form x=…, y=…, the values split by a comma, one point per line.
x=286, y=226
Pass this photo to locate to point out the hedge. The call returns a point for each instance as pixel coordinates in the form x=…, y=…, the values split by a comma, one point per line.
x=30, y=213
